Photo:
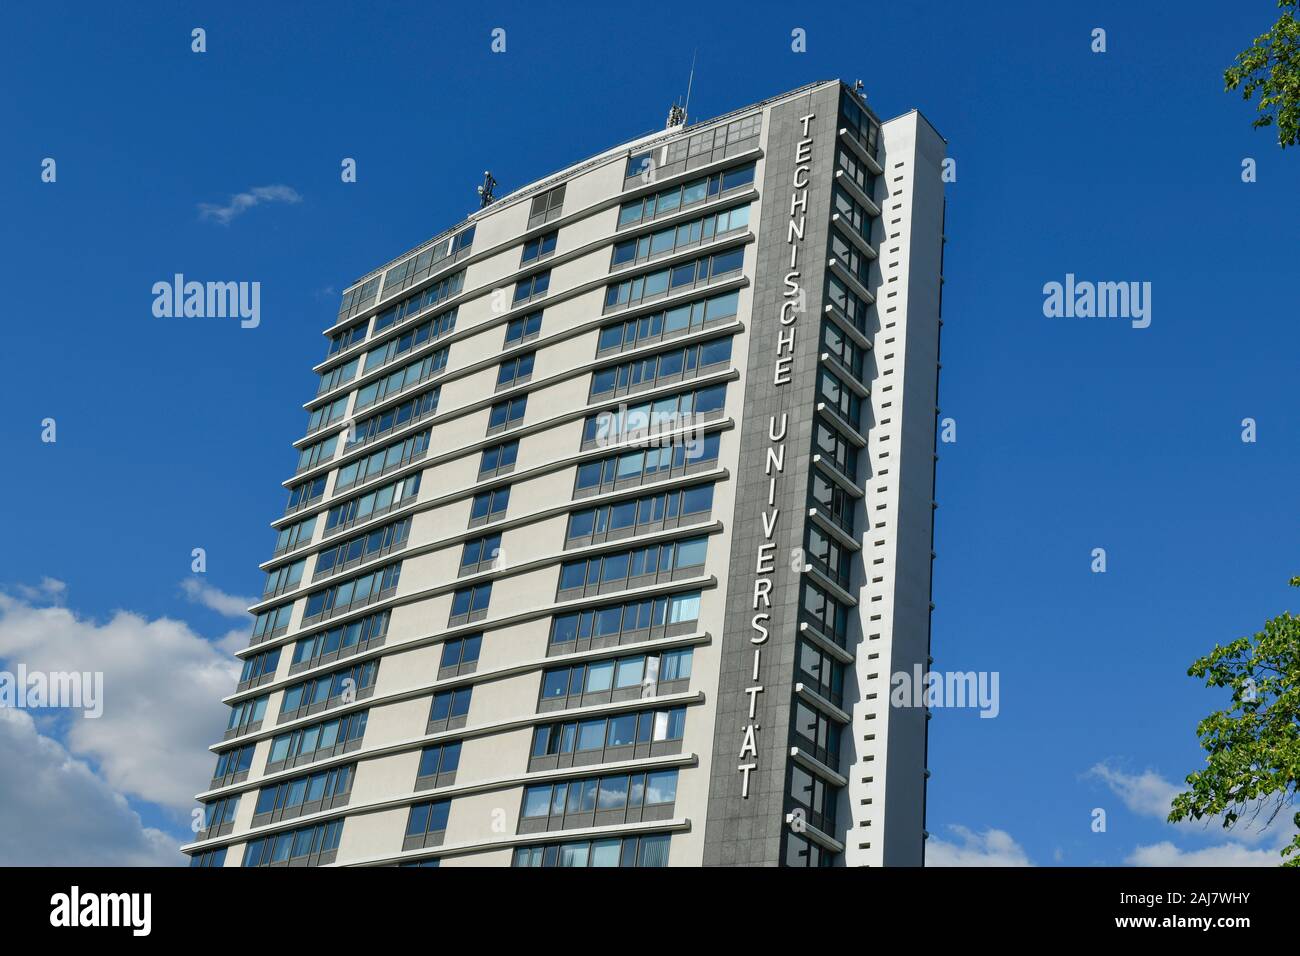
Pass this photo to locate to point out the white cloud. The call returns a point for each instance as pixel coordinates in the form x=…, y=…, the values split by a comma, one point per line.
x=54, y=811
x=50, y=589
x=1228, y=854
x=240, y=203
x=1148, y=794
x=161, y=694
x=990, y=848
x=231, y=605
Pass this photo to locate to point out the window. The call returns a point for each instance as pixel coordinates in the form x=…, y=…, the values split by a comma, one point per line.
x=412, y=410
x=639, y=164
x=638, y=675
x=817, y=732
x=463, y=241
x=498, y=459
x=284, y=578
x=233, y=765
x=305, y=494
x=850, y=213
x=846, y=403
x=354, y=592
x=539, y=247
x=438, y=765
x=802, y=852
x=823, y=672
x=372, y=504
x=346, y=338
x=678, y=320
x=470, y=604
x=546, y=207
x=653, y=417
x=312, y=455
x=664, y=368
x=524, y=328
x=645, y=851
x=634, y=467
x=325, y=415
x=863, y=128
x=449, y=709
x=832, y=500
x=332, y=378
x=670, y=200
x=532, y=287
x=856, y=170
x=246, y=716
x=340, y=686
x=272, y=623
x=599, y=734
x=293, y=536
x=426, y=825
x=838, y=450
x=422, y=301
x=384, y=460
x=316, y=741
x=315, y=845
x=507, y=414
x=421, y=265
x=480, y=554
x=259, y=669
x=684, y=276
x=850, y=258
x=637, y=515
x=515, y=371
x=675, y=238
x=845, y=351
x=405, y=377
x=207, y=858
x=825, y=613
x=429, y=330
x=850, y=305
x=219, y=817
x=713, y=144
x=340, y=641
x=489, y=505
x=357, y=299
x=459, y=652
x=572, y=803
x=627, y=569
x=309, y=793
x=364, y=547
x=634, y=620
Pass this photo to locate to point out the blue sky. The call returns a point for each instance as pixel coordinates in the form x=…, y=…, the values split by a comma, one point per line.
x=1072, y=434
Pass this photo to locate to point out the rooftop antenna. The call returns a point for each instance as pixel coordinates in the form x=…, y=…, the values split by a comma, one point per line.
x=485, y=196
x=689, y=83
x=677, y=113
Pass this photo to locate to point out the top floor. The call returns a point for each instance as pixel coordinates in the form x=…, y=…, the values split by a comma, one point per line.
x=532, y=207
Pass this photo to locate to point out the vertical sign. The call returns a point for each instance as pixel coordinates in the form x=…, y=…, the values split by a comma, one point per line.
x=792, y=304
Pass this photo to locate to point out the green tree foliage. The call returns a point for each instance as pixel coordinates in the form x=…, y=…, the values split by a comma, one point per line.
x=1271, y=67
x=1253, y=746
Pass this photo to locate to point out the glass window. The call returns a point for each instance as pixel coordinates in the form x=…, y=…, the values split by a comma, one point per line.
x=661, y=787
x=600, y=676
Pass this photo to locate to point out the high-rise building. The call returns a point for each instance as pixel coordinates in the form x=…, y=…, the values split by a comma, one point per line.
x=612, y=520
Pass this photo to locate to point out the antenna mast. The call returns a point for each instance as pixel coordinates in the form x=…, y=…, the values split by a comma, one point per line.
x=689, y=83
